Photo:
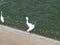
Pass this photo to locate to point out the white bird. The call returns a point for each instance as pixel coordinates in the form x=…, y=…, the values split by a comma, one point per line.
x=2, y=18
x=30, y=25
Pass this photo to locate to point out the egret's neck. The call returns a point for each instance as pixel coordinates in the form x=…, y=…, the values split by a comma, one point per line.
x=27, y=21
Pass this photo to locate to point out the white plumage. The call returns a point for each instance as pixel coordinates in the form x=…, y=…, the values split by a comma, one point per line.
x=2, y=18
x=30, y=25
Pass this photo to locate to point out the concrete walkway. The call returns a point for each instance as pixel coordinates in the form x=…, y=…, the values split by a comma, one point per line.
x=11, y=36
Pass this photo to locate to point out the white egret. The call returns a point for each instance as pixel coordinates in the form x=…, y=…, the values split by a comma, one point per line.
x=30, y=25
x=2, y=18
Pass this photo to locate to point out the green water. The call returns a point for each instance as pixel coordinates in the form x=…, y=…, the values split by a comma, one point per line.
x=45, y=14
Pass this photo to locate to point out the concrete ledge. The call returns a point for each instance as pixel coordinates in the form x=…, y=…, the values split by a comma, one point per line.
x=11, y=36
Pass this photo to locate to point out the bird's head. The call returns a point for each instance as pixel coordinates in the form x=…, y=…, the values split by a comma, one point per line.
x=27, y=18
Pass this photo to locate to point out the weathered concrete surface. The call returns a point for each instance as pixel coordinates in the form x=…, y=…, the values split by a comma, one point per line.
x=10, y=36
